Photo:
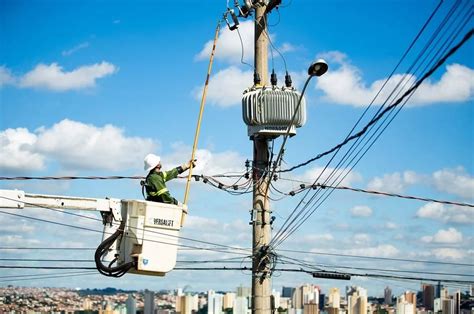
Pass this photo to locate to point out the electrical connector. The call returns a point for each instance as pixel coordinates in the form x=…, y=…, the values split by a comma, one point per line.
x=273, y=78
x=288, y=80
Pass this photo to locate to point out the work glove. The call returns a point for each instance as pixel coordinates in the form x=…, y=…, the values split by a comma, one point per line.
x=187, y=165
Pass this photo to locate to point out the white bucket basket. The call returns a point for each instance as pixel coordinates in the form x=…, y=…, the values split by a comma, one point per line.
x=150, y=236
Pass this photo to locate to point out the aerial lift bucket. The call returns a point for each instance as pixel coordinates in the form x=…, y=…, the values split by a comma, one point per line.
x=145, y=242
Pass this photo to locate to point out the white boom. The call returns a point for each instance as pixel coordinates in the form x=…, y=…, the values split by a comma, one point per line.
x=139, y=236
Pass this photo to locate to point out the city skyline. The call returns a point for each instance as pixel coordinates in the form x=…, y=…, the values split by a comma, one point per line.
x=90, y=88
x=300, y=299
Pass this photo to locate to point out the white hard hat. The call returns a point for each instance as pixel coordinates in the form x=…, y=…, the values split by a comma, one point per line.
x=151, y=161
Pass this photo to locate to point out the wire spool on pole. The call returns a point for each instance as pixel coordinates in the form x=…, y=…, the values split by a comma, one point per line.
x=198, y=127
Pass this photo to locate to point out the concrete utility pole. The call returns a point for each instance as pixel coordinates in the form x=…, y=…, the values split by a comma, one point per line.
x=261, y=281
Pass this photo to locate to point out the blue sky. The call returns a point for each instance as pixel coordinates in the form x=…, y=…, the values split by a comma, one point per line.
x=89, y=88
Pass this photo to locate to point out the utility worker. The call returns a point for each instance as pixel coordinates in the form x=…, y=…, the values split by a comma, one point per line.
x=155, y=182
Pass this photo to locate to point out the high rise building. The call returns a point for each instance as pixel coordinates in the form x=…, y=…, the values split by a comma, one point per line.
x=457, y=302
x=447, y=306
x=428, y=296
x=406, y=303
x=322, y=301
x=438, y=290
x=287, y=292
x=241, y=305
x=438, y=306
x=444, y=293
x=356, y=300
x=297, y=299
x=276, y=299
x=228, y=300
x=244, y=292
x=149, y=302
x=188, y=304
x=131, y=305
x=306, y=294
x=387, y=293
x=334, y=299
x=214, y=302
x=311, y=309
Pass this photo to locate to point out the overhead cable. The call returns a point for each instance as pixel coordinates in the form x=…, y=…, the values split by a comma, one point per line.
x=219, y=248
x=282, y=233
x=404, y=260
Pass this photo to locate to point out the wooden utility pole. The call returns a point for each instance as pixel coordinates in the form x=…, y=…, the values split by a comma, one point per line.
x=261, y=281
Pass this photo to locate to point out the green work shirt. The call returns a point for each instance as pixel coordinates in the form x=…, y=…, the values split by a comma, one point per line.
x=156, y=189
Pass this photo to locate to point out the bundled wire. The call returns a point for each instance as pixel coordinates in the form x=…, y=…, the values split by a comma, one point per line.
x=103, y=248
x=384, y=114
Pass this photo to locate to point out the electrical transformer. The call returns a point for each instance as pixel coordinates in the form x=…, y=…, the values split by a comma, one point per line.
x=268, y=111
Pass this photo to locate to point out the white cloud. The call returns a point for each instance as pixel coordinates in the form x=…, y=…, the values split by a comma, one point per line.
x=6, y=77
x=202, y=223
x=390, y=225
x=322, y=174
x=319, y=173
x=286, y=47
x=17, y=151
x=456, y=85
x=226, y=87
x=449, y=236
x=361, y=238
x=75, y=49
x=361, y=211
x=228, y=45
x=53, y=77
x=78, y=145
x=448, y=254
x=393, y=183
x=17, y=240
x=208, y=162
x=345, y=85
x=447, y=214
x=315, y=238
x=235, y=234
x=454, y=181
x=74, y=145
x=384, y=250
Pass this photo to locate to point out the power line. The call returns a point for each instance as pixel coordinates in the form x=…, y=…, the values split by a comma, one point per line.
x=46, y=267
x=300, y=270
x=47, y=178
x=83, y=216
x=411, y=197
x=98, y=231
x=293, y=261
x=48, y=248
x=389, y=108
x=405, y=260
x=47, y=260
x=40, y=275
x=36, y=277
x=113, y=177
x=281, y=235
